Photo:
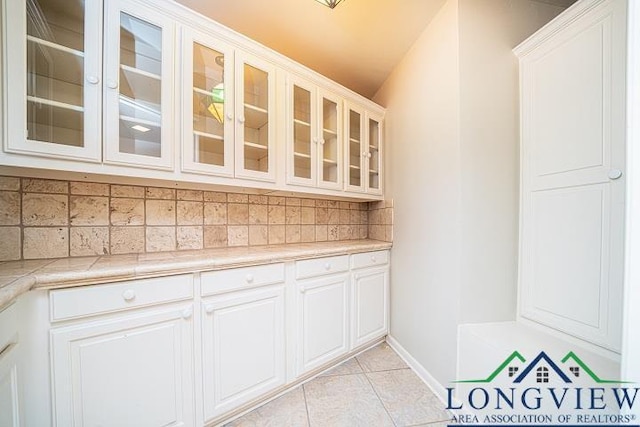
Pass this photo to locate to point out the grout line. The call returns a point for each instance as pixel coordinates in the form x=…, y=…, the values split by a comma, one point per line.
x=306, y=405
x=379, y=399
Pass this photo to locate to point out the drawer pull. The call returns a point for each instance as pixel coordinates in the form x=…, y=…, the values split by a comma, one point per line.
x=129, y=295
x=186, y=313
x=327, y=266
x=209, y=309
x=249, y=278
x=373, y=258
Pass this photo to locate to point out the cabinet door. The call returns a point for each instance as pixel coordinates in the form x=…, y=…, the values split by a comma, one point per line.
x=255, y=118
x=243, y=348
x=374, y=159
x=9, y=391
x=207, y=104
x=323, y=319
x=370, y=305
x=54, y=69
x=330, y=139
x=127, y=371
x=138, y=96
x=355, y=149
x=302, y=138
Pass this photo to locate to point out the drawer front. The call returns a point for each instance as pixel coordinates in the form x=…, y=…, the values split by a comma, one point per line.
x=321, y=266
x=369, y=259
x=217, y=282
x=8, y=326
x=99, y=299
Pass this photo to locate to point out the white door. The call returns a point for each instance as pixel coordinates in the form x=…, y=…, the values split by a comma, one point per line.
x=573, y=182
x=302, y=134
x=128, y=371
x=355, y=147
x=370, y=305
x=9, y=391
x=243, y=347
x=330, y=153
x=374, y=160
x=323, y=321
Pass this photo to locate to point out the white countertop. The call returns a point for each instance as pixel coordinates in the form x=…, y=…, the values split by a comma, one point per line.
x=18, y=277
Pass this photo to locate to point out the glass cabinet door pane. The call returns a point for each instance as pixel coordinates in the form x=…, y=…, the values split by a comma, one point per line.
x=256, y=119
x=208, y=105
x=374, y=154
x=55, y=71
x=140, y=87
x=301, y=132
x=355, y=149
x=329, y=141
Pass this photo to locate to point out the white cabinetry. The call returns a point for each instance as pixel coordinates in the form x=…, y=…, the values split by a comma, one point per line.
x=363, y=150
x=9, y=379
x=370, y=297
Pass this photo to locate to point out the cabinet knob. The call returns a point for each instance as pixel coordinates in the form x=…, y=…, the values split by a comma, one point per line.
x=315, y=140
x=209, y=309
x=373, y=258
x=93, y=80
x=327, y=266
x=240, y=120
x=229, y=116
x=112, y=84
x=186, y=313
x=364, y=154
x=615, y=173
x=249, y=278
x=322, y=141
x=369, y=155
x=129, y=295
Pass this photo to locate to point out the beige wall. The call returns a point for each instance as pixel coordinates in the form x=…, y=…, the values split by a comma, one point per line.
x=452, y=138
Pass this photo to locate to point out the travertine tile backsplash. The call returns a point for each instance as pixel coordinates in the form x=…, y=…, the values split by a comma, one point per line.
x=56, y=219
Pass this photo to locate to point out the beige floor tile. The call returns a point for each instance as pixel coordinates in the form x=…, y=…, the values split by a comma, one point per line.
x=344, y=401
x=407, y=399
x=288, y=410
x=348, y=367
x=380, y=358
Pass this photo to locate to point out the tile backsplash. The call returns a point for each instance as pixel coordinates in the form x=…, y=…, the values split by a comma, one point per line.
x=42, y=218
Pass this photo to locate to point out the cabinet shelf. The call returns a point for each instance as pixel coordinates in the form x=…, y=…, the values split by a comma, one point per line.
x=329, y=162
x=57, y=104
x=127, y=69
x=354, y=167
x=208, y=135
x=302, y=123
x=302, y=155
x=329, y=133
x=136, y=120
x=255, y=117
x=254, y=151
x=373, y=147
x=202, y=91
x=55, y=46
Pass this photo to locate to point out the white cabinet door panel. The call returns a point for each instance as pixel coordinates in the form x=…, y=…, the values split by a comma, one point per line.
x=9, y=401
x=370, y=305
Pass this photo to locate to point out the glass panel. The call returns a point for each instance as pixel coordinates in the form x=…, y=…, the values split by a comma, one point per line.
x=256, y=116
x=140, y=86
x=55, y=71
x=330, y=141
x=208, y=105
x=374, y=152
x=301, y=132
x=355, y=158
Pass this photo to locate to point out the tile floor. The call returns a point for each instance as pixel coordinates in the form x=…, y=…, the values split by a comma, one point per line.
x=373, y=389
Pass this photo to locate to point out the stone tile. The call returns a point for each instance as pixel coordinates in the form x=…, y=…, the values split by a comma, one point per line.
x=321, y=203
x=237, y=198
x=127, y=240
x=322, y=233
x=407, y=399
x=355, y=217
x=289, y=410
x=9, y=183
x=380, y=358
x=292, y=215
x=292, y=201
x=332, y=233
x=388, y=233
x=276, y=214
x=45, y=209
x=258, y=235
x=215, y=213
x=32, y=185
x=376, y=232
x=9, y=208
x=88, y=210
x=89, y=189
x=214, y=196
x=238, y=214
x=238, y=235
x=322, y=216
x=127, y=211
x=190, y=237
x=344, y=401
x=215, y=236
x=256, y=199
x=293, y=234
x=344, y=232
x=308, y=203
x=127, y=191
x=160, y=193
x=11, y=247
x=192, y=195
x=87, y=241
x=344, y=205
x=277, y=200
x=333, y=204
x=258, y=214
x=348, y=367
x=333, y=217
x=364, y=217
x=345, y=217
x=307, y=233
x=22, y=267
x=50, y=242
x=363, y=232
x=307, y=216
x=160, y=239
x=160, y=212
x=276, y=234
x=387, y=216
x=354, y=206
x=190, y=213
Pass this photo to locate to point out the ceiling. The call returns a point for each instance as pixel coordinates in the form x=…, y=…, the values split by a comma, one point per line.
x=356, y=44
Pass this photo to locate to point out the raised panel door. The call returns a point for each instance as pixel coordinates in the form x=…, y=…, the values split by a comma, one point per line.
x=370, y=305
x=9, y=388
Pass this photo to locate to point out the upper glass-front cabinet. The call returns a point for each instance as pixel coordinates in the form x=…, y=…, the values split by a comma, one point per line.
x=374, y=154
x=355, y=148
x=207, y=105
x=53, y=75
x=330, y=160
x=364, y=151
x=138, y=107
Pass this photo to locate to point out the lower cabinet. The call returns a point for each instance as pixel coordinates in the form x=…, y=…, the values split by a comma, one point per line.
x=322, y=321
x=9, y=380
x=243, y=347
x=370, y=308
x=131, y=370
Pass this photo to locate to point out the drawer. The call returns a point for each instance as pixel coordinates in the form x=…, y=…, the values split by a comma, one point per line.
x=216, y=282
x=369, y=259
x=8, y=327
x=321, y=266
x=99, y=299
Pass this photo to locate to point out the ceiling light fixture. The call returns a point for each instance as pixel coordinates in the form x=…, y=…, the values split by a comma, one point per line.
x=330, y=3
x=140, y=128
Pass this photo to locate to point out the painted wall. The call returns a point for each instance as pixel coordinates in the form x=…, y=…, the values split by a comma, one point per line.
x=452, y=146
